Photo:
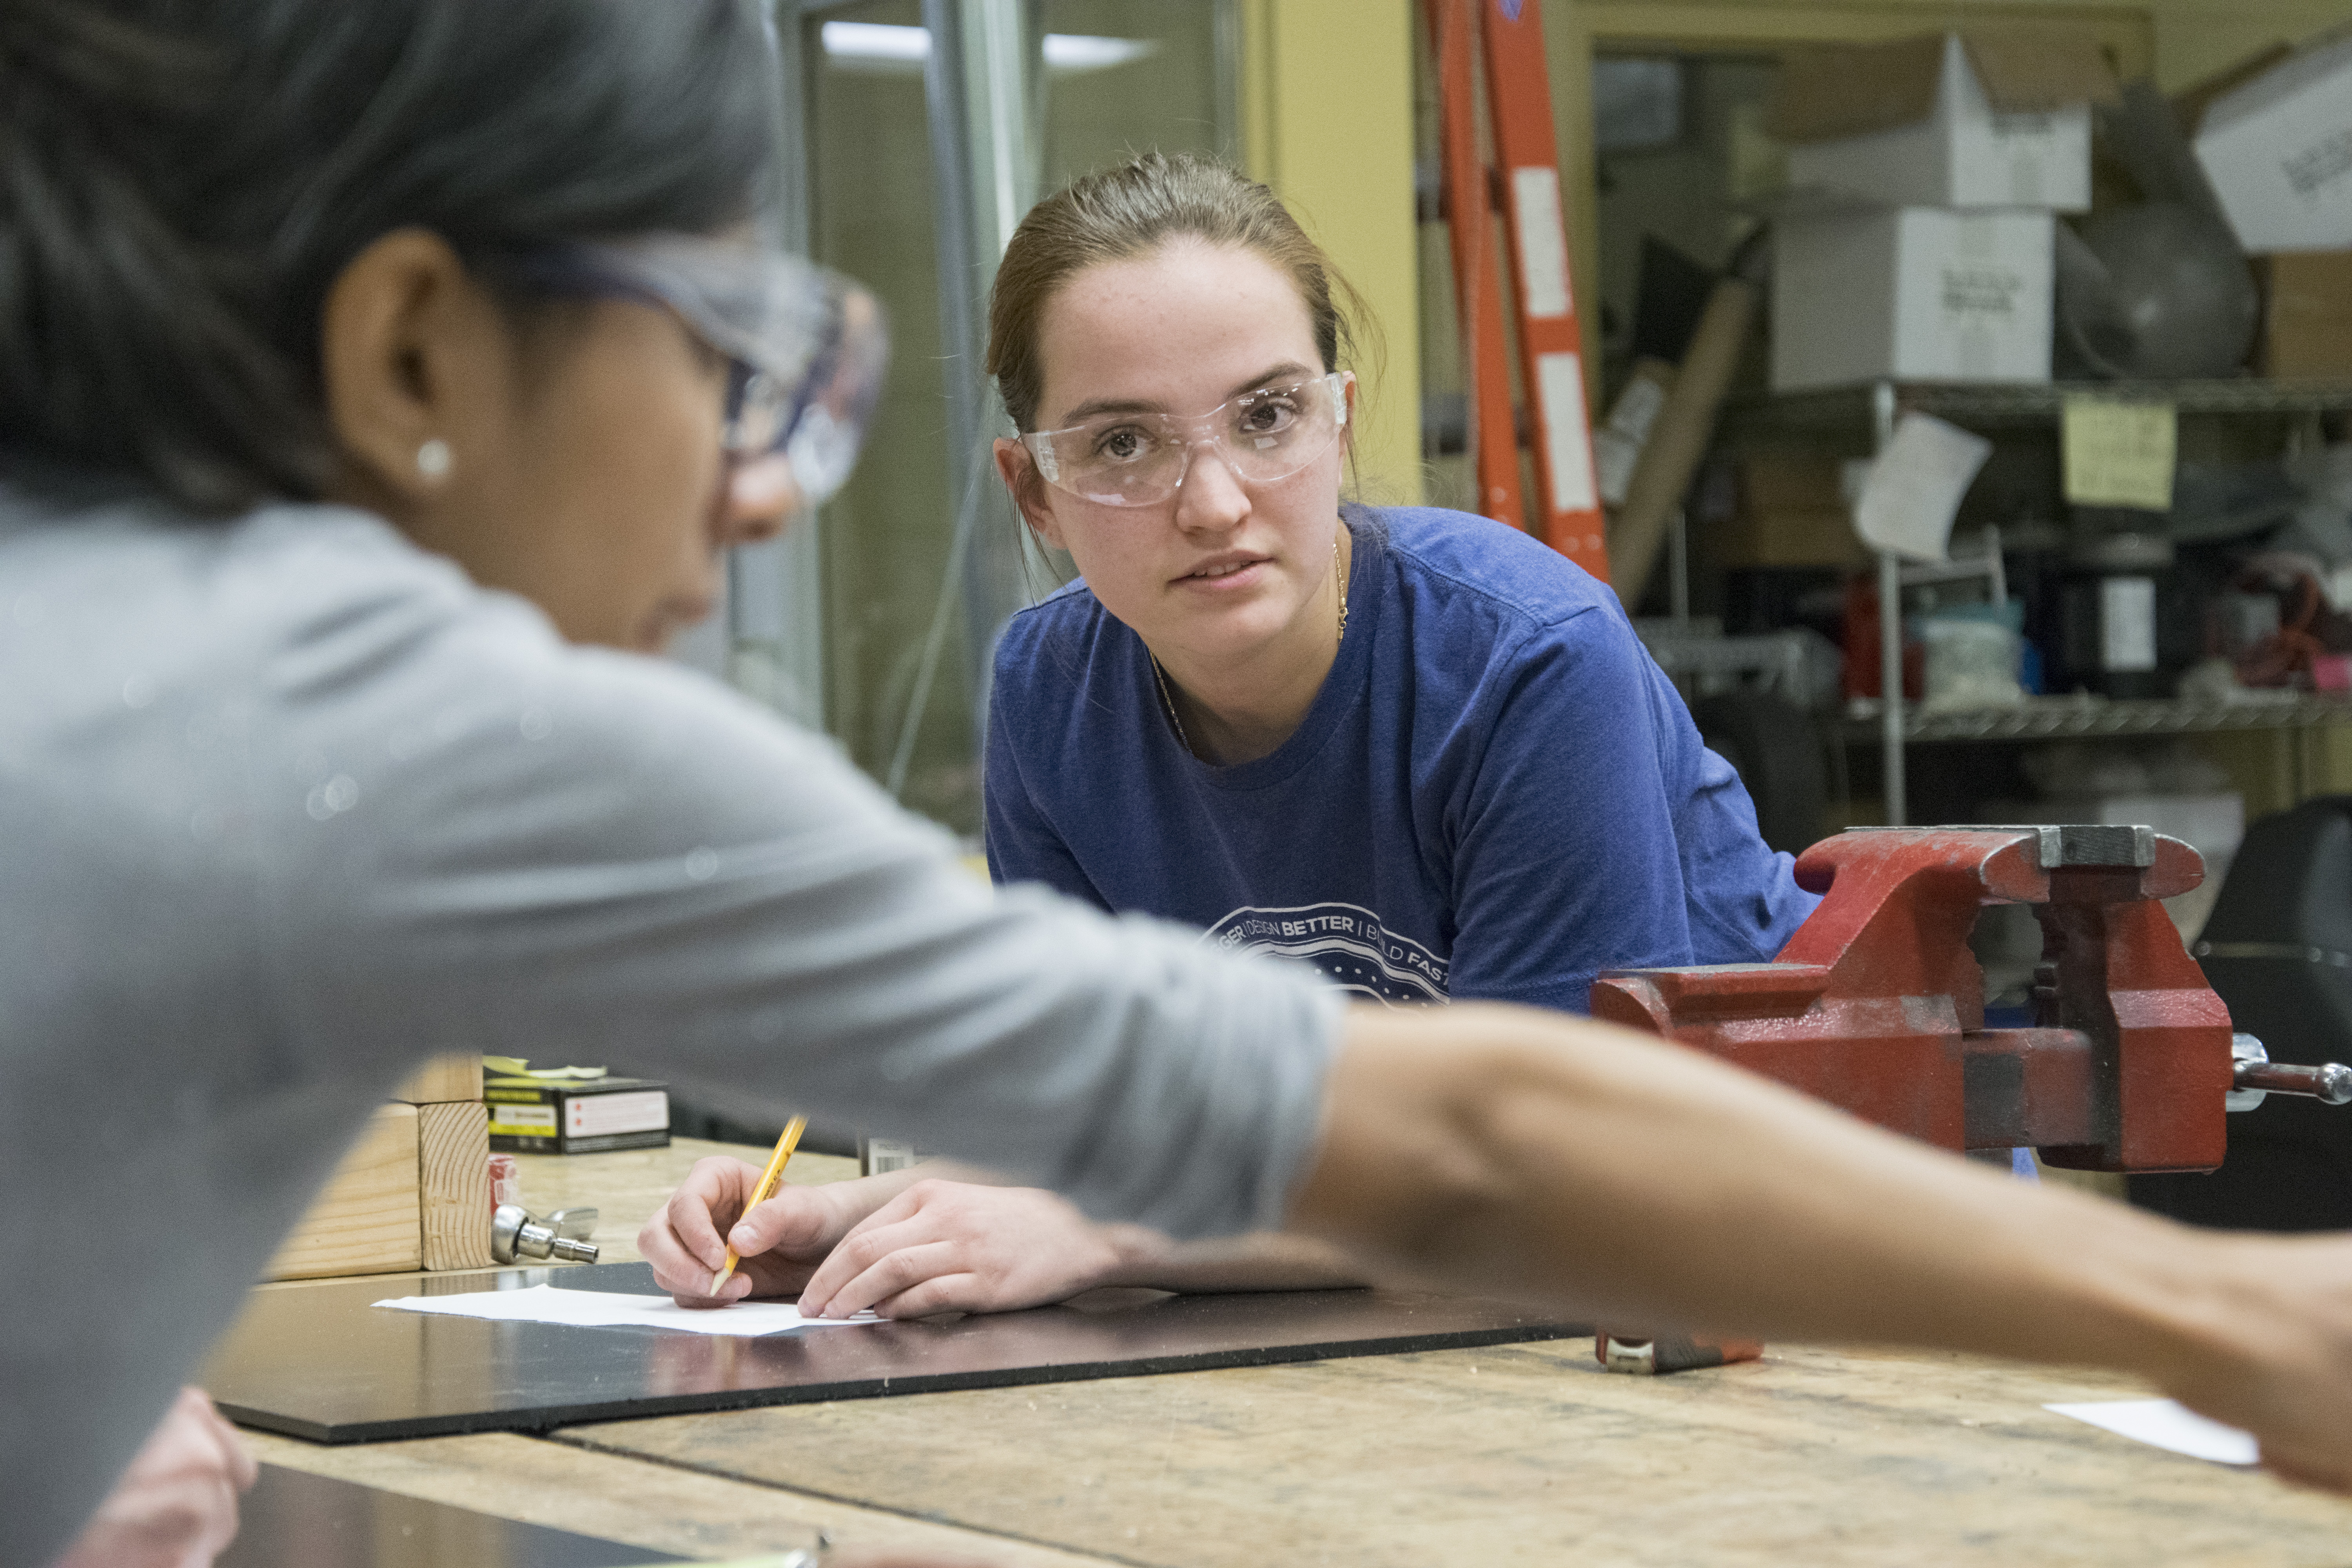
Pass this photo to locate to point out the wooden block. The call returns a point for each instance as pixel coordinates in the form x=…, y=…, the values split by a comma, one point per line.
x=452, y=1157
x=443, y=1081
x=366, y=1221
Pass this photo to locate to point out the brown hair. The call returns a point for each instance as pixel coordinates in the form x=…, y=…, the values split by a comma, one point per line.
x=1132, y=210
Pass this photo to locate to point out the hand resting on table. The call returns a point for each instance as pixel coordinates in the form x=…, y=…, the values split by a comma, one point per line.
x=905, y=1246
x=954, y=1247
x=175, y=1507
x=912, y=1243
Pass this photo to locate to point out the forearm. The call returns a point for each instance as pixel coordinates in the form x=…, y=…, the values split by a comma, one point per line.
x=1499, y=1150
x=1263, y=1261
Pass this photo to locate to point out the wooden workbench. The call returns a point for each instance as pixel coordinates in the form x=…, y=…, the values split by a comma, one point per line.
x=1523, y=1454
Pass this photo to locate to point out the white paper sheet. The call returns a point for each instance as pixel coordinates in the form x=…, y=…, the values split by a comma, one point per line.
x=605, y=1309
x=2167, y=1423
x=1915, y=487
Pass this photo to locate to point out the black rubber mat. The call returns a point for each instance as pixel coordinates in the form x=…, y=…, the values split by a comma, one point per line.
x=290, y=1520
x=323, y=1363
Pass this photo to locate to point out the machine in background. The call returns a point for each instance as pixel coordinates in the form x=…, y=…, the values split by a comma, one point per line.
x=2278, y=950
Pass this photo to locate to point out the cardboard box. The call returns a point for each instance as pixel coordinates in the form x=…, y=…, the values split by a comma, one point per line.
x=2307, y=324
x=1987, y=118
x=2279, y=151
x=2190, y=102
x=1913, y=294
x=1792, y=511
x=576, y=1116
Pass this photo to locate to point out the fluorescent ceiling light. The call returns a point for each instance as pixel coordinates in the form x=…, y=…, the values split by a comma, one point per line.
x=1074, y=52
x=874, y=45
x=874, y=41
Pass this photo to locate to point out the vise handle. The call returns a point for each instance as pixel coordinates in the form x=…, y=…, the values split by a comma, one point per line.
x=2331, y=1081
x=2252, y=1075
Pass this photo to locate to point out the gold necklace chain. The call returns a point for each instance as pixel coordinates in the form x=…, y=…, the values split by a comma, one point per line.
x=1340, y=578
x=1161, y=675
x=1157, y=674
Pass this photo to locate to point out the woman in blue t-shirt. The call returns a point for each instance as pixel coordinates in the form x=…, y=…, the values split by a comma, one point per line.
x=1415, y=747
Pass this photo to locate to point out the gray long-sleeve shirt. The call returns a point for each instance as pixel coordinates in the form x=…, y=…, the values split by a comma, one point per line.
x=287, y=806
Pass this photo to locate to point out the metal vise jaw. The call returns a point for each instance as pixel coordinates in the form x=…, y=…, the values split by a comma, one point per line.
x=1876, y=1004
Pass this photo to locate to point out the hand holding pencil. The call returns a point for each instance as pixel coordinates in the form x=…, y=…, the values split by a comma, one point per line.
x=727, y=1211
x=764, y=1191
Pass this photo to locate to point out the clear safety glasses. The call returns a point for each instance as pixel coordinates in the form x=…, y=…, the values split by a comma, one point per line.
x=1138, y=460
x=807, y=347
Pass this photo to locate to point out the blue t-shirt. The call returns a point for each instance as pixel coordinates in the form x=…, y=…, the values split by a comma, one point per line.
x=1495, y=794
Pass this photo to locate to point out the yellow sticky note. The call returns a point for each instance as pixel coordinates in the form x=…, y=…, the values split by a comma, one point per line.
x=2120, y=454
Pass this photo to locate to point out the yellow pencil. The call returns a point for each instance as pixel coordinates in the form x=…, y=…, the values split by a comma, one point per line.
x=766, y=1189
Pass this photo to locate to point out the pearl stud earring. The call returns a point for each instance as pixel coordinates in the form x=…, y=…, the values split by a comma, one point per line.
x=433, y=458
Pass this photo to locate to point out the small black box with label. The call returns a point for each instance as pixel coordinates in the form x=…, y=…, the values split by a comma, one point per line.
x=576, y=1116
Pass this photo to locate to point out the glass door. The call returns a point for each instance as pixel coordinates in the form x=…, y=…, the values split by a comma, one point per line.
x=919, y=133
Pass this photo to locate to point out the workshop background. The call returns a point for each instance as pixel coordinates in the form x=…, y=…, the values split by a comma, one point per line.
x=2091, y=263
x=1683, y=164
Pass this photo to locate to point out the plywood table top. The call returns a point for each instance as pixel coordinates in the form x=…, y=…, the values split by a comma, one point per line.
x=1526, y=1454
x=618, y=1497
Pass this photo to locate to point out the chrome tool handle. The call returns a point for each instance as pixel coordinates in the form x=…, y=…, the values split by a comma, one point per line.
x=2253, y=1074
x=515, y=1235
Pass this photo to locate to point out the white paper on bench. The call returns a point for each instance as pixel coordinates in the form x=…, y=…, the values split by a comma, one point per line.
x=2166, y=1423
x=606, y=1309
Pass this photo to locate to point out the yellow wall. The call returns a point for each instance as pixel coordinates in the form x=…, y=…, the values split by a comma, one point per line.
x=2194, y=38
x=1327, y=120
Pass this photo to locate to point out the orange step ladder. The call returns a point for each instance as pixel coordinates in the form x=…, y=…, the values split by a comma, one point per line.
x=1524, y=182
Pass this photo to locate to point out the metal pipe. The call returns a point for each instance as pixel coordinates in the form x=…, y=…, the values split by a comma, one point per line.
x=1890, y=686
x=947, y=116
x=951, y=227
x=1678, y=570
x=970, y=228
x=775, y=600
x=1890, y=635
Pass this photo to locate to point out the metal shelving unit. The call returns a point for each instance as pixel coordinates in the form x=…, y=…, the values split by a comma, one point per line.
x=2086, y=717
x=1995, y=404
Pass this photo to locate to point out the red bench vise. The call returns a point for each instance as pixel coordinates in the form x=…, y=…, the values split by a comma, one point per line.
x=1876, y=1006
